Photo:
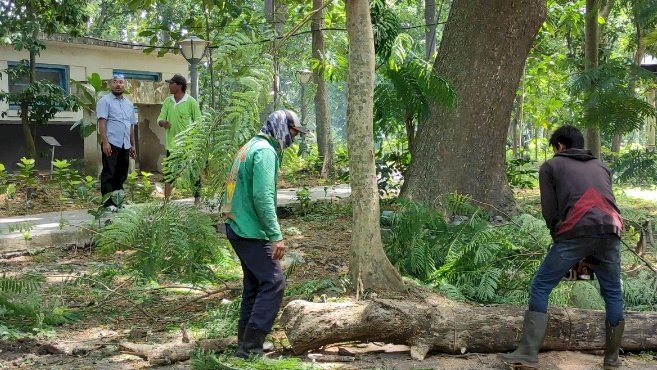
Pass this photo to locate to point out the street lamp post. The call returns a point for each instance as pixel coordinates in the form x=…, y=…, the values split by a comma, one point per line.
x=193, y=50
x=304, y=76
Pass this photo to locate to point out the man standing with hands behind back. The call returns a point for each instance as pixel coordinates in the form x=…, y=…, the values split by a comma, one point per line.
x=178, y=111
x=116, y=124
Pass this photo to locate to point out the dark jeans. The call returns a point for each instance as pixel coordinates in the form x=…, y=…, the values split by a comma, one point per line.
x=196, y=183
x=605, y=250
x=264, y=282
x=115, y=171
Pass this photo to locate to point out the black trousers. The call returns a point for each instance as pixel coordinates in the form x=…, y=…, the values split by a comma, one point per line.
x=115, y=171
x=264, y=282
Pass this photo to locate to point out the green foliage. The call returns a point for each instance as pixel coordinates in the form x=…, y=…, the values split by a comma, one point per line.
x=385, y=26
x=586, y=295
x=464, y=255
x=140, y=187
x=636, y=167
x=221, y=321
x=303, y=196
x=21, y=309
x=90, y=92
x=308, y=289
x=208, y=145
x=172, y=240
x=640, y=291
x=521, y=173
x=210, y=361
x=609, y=103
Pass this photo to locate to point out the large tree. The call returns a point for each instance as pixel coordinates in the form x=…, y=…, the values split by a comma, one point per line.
x=322, y=115
x=369, y=267
x=482, y=53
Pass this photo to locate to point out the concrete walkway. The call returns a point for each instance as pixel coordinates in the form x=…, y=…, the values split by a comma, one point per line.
x=32, y=232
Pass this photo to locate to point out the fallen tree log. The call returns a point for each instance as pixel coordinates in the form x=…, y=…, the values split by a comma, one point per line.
x=453, y=329
x=169, y=353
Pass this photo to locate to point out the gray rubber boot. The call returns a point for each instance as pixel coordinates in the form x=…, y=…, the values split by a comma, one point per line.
x=614, y=336
x=533, y=333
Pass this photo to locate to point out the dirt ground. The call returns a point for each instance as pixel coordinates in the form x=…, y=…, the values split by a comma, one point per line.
x=109, y=316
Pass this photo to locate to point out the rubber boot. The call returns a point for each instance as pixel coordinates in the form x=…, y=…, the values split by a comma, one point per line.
x=533, y=333
x=614, y=336
x=240, y=337
x=251, y=343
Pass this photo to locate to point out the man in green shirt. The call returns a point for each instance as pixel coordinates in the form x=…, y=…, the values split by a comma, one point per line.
x=249, y=208
x=178, y=111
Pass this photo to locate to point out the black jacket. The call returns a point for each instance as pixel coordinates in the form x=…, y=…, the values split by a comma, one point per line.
x=576, y=196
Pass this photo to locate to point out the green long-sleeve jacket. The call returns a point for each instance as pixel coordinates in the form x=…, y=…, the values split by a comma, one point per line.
x=249, y=205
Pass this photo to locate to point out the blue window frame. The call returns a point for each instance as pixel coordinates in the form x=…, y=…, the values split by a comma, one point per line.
x=56, y=74
x=139, y=75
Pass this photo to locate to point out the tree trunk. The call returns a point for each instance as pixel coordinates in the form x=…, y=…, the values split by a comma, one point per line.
x=272, y=20
x=30, y=147
x=206, y=13
x=322, y=115
x=590, y=62
x=368, y=265
x=28, y=136
x=616, y=144
x=452, y=327
x=463, y=149
x=650, y=96
x=409, y=123
x=430, y=33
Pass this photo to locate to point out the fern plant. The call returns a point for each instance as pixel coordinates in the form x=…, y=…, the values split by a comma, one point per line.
x=609, y=103
x=21, y=307
x=165, y=240
x=465, y=256
x=636, y=167
x=207, y=145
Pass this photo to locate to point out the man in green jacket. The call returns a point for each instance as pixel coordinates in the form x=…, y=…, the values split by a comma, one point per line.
x=249, y=208
x=178, y=111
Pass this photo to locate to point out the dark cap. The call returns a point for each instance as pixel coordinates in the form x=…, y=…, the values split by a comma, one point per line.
x=293, y=122
x=179, y=79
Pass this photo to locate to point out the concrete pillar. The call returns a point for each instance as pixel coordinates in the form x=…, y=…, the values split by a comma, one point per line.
x=151, y=149
x=92, y=157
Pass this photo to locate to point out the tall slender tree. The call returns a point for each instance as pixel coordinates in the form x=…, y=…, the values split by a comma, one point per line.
x=430, y=32
x=369, y=267
x=591, y=62
x=482, y=53
x=322, y=115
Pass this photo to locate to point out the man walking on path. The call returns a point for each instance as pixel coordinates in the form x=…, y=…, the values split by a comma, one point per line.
x=249, y=208
x=579, y=208
x=116, y=124
x=178, y=111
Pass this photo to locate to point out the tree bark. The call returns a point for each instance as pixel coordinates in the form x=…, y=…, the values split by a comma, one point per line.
x=463, y=149
x=368, y=265
x=430, y=33
x=590, y=62
x=453, y=328
x=322, y=115
x=650, y=96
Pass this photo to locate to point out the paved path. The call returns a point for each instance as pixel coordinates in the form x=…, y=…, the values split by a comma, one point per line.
x=44, y=230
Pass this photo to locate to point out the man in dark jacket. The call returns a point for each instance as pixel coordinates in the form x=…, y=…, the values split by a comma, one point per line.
x=579, y=208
